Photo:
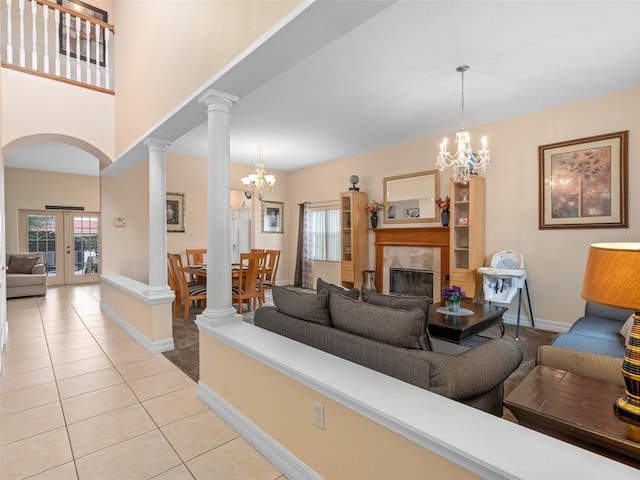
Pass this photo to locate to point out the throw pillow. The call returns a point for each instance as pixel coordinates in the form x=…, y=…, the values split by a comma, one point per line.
x=22, y=263
x=400, y=328
x=625, y=331
x=331, y=287
x=402, y=303
x=306, y=306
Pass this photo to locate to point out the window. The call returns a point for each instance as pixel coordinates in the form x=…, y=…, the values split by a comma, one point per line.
x=324, y=234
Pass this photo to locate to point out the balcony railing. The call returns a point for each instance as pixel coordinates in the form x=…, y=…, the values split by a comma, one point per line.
x=82, y=52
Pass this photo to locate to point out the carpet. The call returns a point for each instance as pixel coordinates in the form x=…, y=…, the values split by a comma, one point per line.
x=186, y=352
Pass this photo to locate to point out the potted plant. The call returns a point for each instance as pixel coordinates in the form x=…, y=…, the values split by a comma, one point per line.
x=452, y=296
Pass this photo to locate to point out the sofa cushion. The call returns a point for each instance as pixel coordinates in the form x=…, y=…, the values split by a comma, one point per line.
x=306, y=306
x=625, y=331
x=399, y=328
x=402, y=303
x=596, y=327
x=614, y=347
x=22, y=263
x=331, y=287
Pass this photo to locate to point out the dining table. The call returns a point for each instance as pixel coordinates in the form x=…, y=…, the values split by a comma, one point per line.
x=200, y=271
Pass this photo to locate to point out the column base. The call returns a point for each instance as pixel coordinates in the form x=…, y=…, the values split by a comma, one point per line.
x=212, y=318
x=158, y=293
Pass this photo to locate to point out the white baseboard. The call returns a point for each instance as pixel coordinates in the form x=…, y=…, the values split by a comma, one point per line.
x=151, y=347
x=541, y=323
x=279, y=456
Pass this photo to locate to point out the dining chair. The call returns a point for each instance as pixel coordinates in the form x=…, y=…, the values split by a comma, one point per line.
x=248, y=287
x=271, y=264
x=195, y=256
x=190, y=292
x=174, y=284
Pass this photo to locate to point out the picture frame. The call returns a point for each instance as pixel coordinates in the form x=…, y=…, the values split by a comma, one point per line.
x=175, y=212
x=411, y=213
x=89, y=11
x=583, y=183
x=272, y=217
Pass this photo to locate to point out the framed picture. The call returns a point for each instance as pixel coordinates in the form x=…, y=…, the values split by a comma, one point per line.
x=411, y=213
x=272, y=217
x=175, y=212
x=89, y=11
x=583, y=183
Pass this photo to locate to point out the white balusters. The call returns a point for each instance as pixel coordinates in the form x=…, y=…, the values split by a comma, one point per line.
x=58, y=27
x=107, y=76
x=69, y=31
x=98, y=29
x=34, y=36
x=22, y=54
x=45, y=16
x=87, y=26
x=67, y=22
x=9, y=45
x=78, y=51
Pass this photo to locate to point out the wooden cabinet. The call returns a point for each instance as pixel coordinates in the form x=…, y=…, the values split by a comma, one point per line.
x=467, y=234
x=353, y=226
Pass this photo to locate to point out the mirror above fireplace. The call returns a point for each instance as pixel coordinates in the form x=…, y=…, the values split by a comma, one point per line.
x=411, y=198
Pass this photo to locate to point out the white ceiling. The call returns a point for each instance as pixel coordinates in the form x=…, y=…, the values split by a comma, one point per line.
x=389, y=76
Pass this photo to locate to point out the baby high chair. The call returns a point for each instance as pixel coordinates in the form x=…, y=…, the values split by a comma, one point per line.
x=504, y=279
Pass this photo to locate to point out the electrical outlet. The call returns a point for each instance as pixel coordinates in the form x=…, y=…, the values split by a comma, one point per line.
x=318, y=415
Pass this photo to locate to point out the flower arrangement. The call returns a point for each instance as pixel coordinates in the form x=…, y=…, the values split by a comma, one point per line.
x=443, y=204
x=453, y=294
x=374, y=205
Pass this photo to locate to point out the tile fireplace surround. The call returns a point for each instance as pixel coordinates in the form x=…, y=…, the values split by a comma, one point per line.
x=415, y=248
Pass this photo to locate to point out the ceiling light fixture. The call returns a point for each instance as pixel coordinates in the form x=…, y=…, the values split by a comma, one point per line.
x=465, y=162
x=259, y=183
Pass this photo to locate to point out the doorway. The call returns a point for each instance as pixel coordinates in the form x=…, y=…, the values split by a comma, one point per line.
x=68, y=241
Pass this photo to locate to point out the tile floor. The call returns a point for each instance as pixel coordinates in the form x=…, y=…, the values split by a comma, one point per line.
x=79, y=399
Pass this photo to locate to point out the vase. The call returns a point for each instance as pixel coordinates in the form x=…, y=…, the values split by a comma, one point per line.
x=444, y=217
x=369, y=280
x=374, y=220
x=453, y=306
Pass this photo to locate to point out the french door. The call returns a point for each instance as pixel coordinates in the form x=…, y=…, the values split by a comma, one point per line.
x=68, y=241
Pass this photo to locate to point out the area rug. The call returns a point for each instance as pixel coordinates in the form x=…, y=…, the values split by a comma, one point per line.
x=186, y=352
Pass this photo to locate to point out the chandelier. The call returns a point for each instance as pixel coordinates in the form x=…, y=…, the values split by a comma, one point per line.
x=260, y=183
x=465, y=162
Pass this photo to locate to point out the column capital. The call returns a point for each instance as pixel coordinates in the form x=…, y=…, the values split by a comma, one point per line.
x=158, y=144
x=211, y=96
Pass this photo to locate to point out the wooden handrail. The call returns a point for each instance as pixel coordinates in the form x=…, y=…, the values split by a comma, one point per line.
x=55, y=6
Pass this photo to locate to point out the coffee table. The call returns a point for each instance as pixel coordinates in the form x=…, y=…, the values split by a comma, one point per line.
x=577, y=410
x=460, y=328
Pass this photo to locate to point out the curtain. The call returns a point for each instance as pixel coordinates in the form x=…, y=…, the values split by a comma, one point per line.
x=303, y=277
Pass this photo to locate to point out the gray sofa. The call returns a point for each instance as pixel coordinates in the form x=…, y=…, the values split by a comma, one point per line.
x=25, y=275
x=593, y=347
x=394, y=342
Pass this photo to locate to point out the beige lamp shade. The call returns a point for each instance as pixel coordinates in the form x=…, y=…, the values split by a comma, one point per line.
x=612, y=275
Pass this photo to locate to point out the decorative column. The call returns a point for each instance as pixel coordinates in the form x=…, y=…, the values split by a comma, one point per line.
x=219, y=307
x=158, y=285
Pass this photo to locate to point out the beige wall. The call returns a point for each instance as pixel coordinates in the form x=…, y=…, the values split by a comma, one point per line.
x=349, y=447
x=161, y=58
x=554, y=259
x=37, y=106
x=33, y=189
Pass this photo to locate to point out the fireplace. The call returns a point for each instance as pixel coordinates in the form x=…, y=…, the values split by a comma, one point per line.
x=410, y=282
x=421, y=248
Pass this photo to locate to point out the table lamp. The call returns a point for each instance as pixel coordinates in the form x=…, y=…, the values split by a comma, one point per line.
x=612, y=277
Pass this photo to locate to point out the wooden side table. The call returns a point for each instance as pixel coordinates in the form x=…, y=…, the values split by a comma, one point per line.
x=578, y=410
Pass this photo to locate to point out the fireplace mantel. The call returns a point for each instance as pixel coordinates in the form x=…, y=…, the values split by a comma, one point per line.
x=413, y=237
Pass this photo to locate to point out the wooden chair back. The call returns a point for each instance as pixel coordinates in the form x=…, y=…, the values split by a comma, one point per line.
x=272, y=262
x=195, y=256
x=249, y=285
x=174, y=284
x=189, y=292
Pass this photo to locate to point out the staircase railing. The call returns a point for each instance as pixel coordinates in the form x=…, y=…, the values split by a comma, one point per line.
x=82, y=53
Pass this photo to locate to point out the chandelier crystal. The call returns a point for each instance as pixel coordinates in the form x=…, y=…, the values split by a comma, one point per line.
x=260, y=183
x=465, y=162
